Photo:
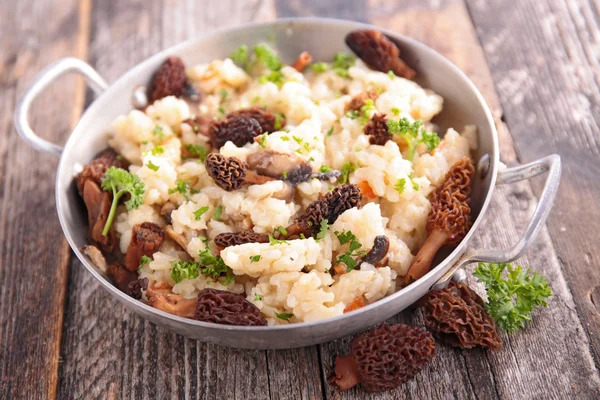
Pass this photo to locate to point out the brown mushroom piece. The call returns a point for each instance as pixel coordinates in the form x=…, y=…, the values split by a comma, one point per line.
x=98, y=205
x=95, y=256
x=377, y=130
x=121, y=276
x=384, y=358
x=378, y=52
x=226, y=308
x=168, y=80
x=449, y=219
x=380, y=248
x=146, y=238
x=302, y=61
x=267, y=120
x=238, y=130
x=199, y=124
x=172, y=303
x=329, y=207
x=359, y=100
x=134, y=288
x=288, y=167
x=176, y=237
x=456, y=316
x=226, y=239
x=230, y=173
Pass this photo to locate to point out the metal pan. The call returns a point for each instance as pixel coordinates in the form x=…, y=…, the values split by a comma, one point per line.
x=463, y=104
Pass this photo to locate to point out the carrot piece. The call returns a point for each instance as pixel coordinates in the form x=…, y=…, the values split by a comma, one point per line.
x=357, y=303
x=366, y=189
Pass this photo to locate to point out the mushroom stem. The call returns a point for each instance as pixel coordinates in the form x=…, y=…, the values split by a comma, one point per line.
x=346, y=373
x=252, y=178
x=422, y=262
x=172, y=303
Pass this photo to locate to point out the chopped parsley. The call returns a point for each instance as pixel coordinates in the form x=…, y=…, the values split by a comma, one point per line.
x=353, y=251
x=391, y=74
x=320, y=67
x=341, y=62
x=263, y=140
x=199, y=212
x=152, y=166
x=273, y=241
x=284, y=316
x=366, y=110
x=415, y=185
x=218, y=212
x=223, y=94
x=181, y=270
x=400, y=185
x=158, y=150
x=413, y=133
x=240, y=56
x=281, y=230
x=214, y=267
x=353, y=114
x=258, y=297
x=180, y=187
x=121, y=182
x=285, y=138
x=297, y=139
x=158, y=131
x=284, y=175
x=144, y=260
x=279, y=118
x=323, y=228
x=330, y=131
x=347, y=169
x=221, y=110
x=324, y=168
x=255, y=258
x=197, y=150
x=267, y=57
x=395, y=111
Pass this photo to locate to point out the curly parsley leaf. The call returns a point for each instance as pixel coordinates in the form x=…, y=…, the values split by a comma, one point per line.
x=341, y=63
x=320, y=67
x=199, y=212
x=144, y=260
x=255, y=258
x=240, y=56
x=121, y=182
x=511, y=300
x=284, y=316
x=349, y=258
x=273, y=241
x=400, y=185
x=323, y=228
x=214, y=266
x=181, y=270
x=258, y=297
x=347, y=169
x=218, y=212
x=152, y=166
x=413, y=133
x=197, y=150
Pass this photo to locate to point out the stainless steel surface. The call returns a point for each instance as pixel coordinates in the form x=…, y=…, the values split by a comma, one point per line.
x=322, y=38
x=41, y=81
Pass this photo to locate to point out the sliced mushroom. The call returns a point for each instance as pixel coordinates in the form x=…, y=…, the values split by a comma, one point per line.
x=146, y=238
x=172, y=303
x=274, y=164
x=177, y=238
x=121, y=276
x=380, y=248
x=95, y=255
x=302, y=61
x=167, y=209
x=98, y=205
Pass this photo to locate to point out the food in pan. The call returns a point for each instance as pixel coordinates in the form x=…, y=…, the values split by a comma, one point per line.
x=251, y=192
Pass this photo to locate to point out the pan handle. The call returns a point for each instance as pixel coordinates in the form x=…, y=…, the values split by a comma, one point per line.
x=550, y=164
x=41, y=82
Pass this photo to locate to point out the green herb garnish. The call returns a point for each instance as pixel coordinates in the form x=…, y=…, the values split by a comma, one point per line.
x=120, y=182
x=347, y=169
x=218, y=212
x=199, y=212
x=255, y=258
x=284, y=316
x=152, y=166
x=348, y=258
x=197, y=150
x=413, y=133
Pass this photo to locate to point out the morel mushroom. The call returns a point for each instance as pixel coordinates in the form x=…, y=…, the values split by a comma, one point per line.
x=456, y=316
x=449, y=219
x=222, y=307
x=378, y=52
x=223, y=240
x=146, y=238
x=359, y=100
x=384, y=358
x=172, y=303
x=329, y=207
x=377, y=130
x=168, y=80
x=267, y=120
x=238, y=130
x=230, y=173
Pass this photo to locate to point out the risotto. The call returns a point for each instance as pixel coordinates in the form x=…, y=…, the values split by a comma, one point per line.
x=228, y=162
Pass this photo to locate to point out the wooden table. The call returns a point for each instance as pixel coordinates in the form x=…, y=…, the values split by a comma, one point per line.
x=536, y=63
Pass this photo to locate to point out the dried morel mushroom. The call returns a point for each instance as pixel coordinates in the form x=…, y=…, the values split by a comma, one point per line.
x=329, y=207
x=378, y=52
x=302, y=61
x=238, y=130
x=230, y=173
x=449, y=219
x=134, y=288
x=222, y=307
x=359, y=100
x=96, y=168
x=168, y=80
x=266, y=119
x=227, y=239
x=146, y=238
x=384, y=358
x=377, y=130
x=456, y=316
x=199, y=124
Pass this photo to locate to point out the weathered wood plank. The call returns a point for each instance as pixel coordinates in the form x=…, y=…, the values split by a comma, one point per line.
x=109, y=352
x=540, y=361
x=34, y=265
x=544, y=56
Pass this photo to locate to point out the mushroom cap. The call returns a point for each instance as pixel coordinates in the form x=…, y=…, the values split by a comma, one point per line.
x=331, y=205
x=450, y=210
x=378, y=52
x=390, y=355
x=227, y=239
x=168, y=80
x=146, y=238
x=238, y=130
x=456, y=316
x=222, y=307
x=358, y=100
x=227, y=172
x=265, y=118
x=377, y=130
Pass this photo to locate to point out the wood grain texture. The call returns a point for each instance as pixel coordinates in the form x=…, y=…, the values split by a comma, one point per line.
x=545, y=58
x=33, y=258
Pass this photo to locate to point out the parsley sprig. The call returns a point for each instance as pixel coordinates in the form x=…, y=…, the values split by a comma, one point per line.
x=511, y=300
x=414, y=134
x=121, y=182
x=353, y=251
x=209, y=265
